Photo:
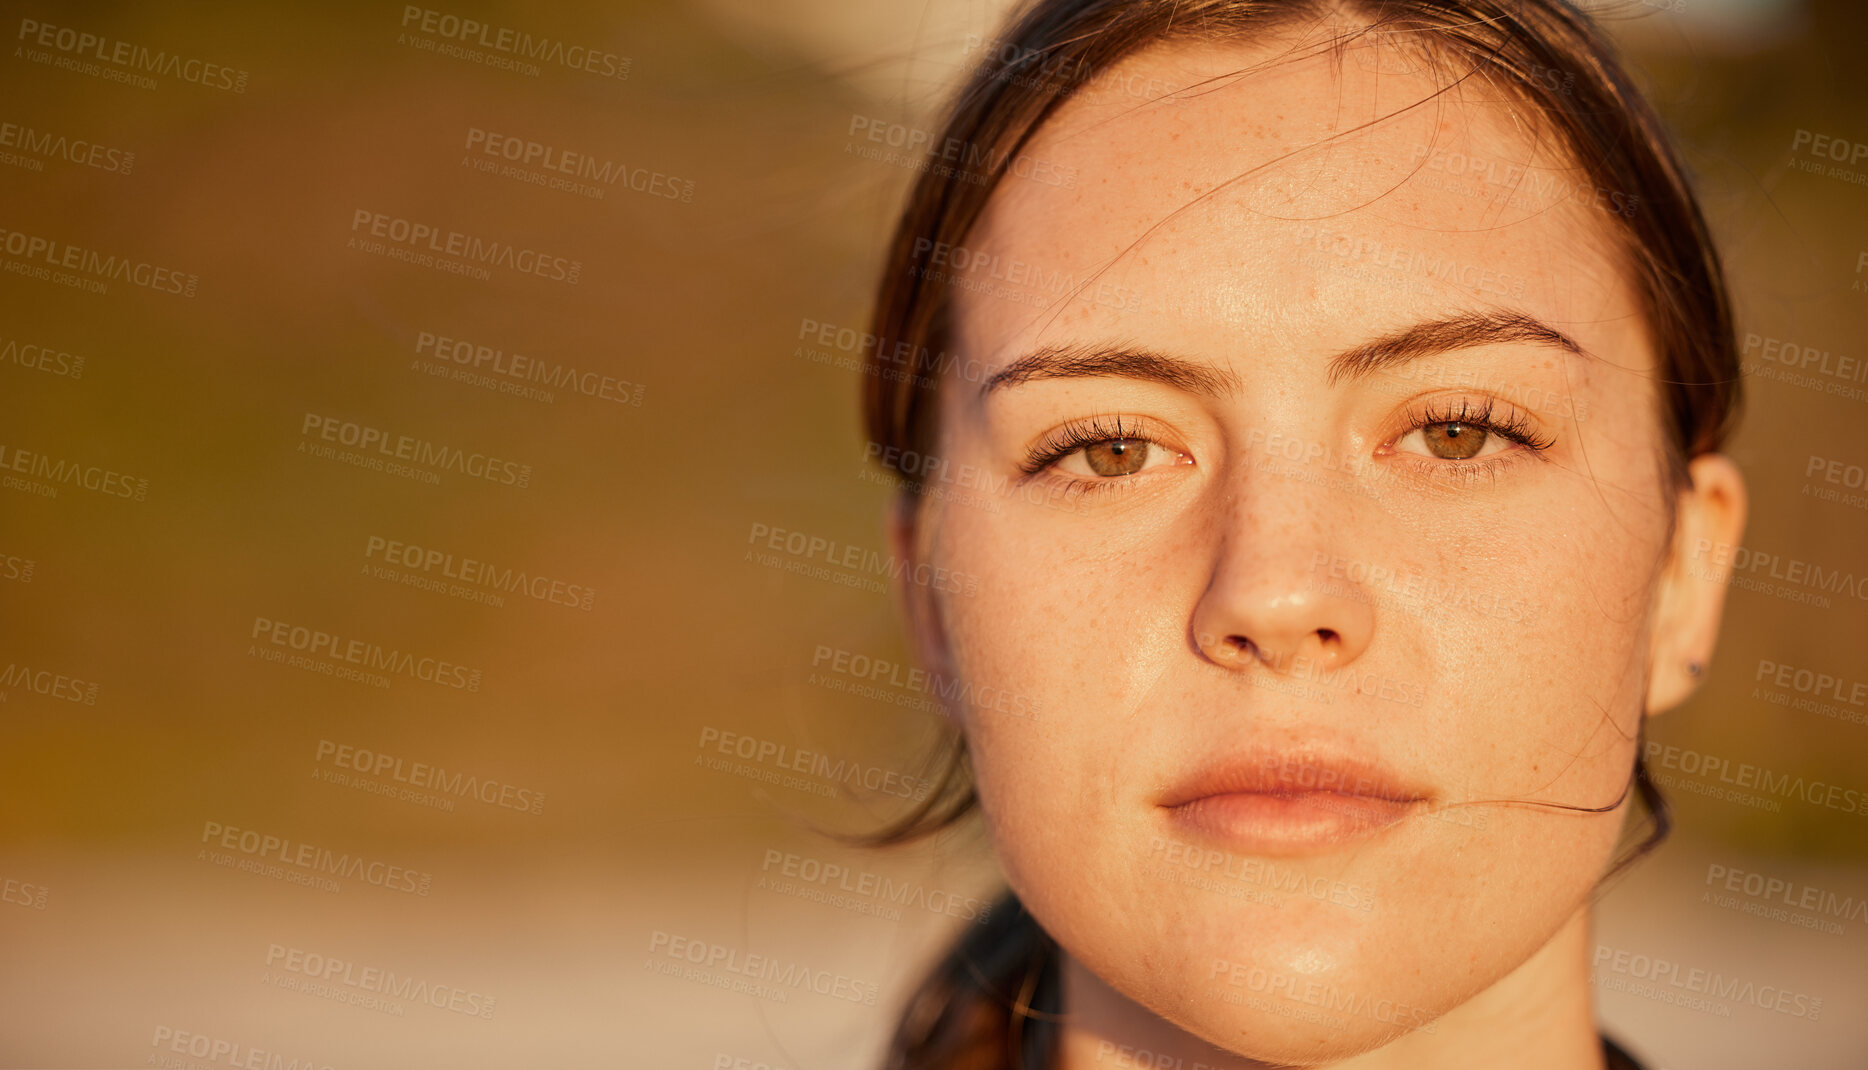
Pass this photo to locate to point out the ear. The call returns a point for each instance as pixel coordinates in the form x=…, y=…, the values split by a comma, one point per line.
x=1709, y=520
x=921, y=615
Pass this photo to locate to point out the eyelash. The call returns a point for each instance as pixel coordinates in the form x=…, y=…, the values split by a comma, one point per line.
x=1513, y=426
x=1072, y=437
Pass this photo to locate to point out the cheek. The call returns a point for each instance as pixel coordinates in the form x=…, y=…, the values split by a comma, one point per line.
x=1085, y=619
x=1086, y=635
x=1543, y=651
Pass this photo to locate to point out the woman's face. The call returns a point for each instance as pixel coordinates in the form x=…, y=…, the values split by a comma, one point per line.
x=1333, y=513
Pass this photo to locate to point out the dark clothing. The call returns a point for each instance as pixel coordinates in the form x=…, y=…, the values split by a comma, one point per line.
x=1617, y=1058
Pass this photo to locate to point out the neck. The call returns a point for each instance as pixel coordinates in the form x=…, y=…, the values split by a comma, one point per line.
x=1540, y=1016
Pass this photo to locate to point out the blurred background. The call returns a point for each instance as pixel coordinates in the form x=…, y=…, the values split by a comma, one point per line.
x=394, y=666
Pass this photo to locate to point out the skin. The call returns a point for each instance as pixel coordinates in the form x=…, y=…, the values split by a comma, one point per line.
x=1192, y=608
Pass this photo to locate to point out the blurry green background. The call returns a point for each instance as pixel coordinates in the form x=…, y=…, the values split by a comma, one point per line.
x=125, y=929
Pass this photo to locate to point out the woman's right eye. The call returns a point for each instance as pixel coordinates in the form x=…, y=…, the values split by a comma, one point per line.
x=1101, y=450
x=1116, y=457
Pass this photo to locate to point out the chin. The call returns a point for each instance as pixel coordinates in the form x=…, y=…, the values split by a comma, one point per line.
x=1286, y=978
x=1275, y=1003
x=1278, y=1040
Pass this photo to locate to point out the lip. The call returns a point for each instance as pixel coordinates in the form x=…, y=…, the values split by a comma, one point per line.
x=1283, y=802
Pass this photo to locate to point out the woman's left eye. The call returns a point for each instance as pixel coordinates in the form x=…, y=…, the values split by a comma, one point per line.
x=1465, y=431
x=1452, y=440
x=1115, y=457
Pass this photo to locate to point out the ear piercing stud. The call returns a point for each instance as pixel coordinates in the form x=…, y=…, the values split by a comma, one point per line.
x=1695, y=669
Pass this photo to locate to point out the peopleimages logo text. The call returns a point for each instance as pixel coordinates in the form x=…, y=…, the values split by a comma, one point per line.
x=1712, y=767
x=131, y=56
x=385, y=982
x=318, y=859
x=513, y=42
x=101, y=267
x=316, y=643
x=430, y=777
x=417, y=451
x=434, y=239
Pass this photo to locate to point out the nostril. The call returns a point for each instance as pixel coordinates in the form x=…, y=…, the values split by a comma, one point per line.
x=1238, y=646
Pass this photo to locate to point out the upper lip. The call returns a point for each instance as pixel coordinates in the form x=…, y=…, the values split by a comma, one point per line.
x=1294, y=771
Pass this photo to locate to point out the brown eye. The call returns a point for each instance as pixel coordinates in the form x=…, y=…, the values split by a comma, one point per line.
x=1117, y=456
x=1453, y=441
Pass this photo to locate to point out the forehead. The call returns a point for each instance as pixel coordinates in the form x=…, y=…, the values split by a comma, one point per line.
x=1281, y=191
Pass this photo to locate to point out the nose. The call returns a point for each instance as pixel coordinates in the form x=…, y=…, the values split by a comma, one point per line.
x=1272, y=597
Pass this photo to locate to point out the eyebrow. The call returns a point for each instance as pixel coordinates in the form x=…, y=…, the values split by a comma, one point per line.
x=1445, y=335
x=1428, y=337
x=1127, y=362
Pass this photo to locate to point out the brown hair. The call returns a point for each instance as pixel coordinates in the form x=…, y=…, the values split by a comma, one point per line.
x=993, y=1000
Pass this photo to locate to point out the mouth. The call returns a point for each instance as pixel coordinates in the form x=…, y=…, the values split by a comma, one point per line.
x=1273, y=803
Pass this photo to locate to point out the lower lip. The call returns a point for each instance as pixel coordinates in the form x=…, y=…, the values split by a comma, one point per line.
x=1289, y=822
